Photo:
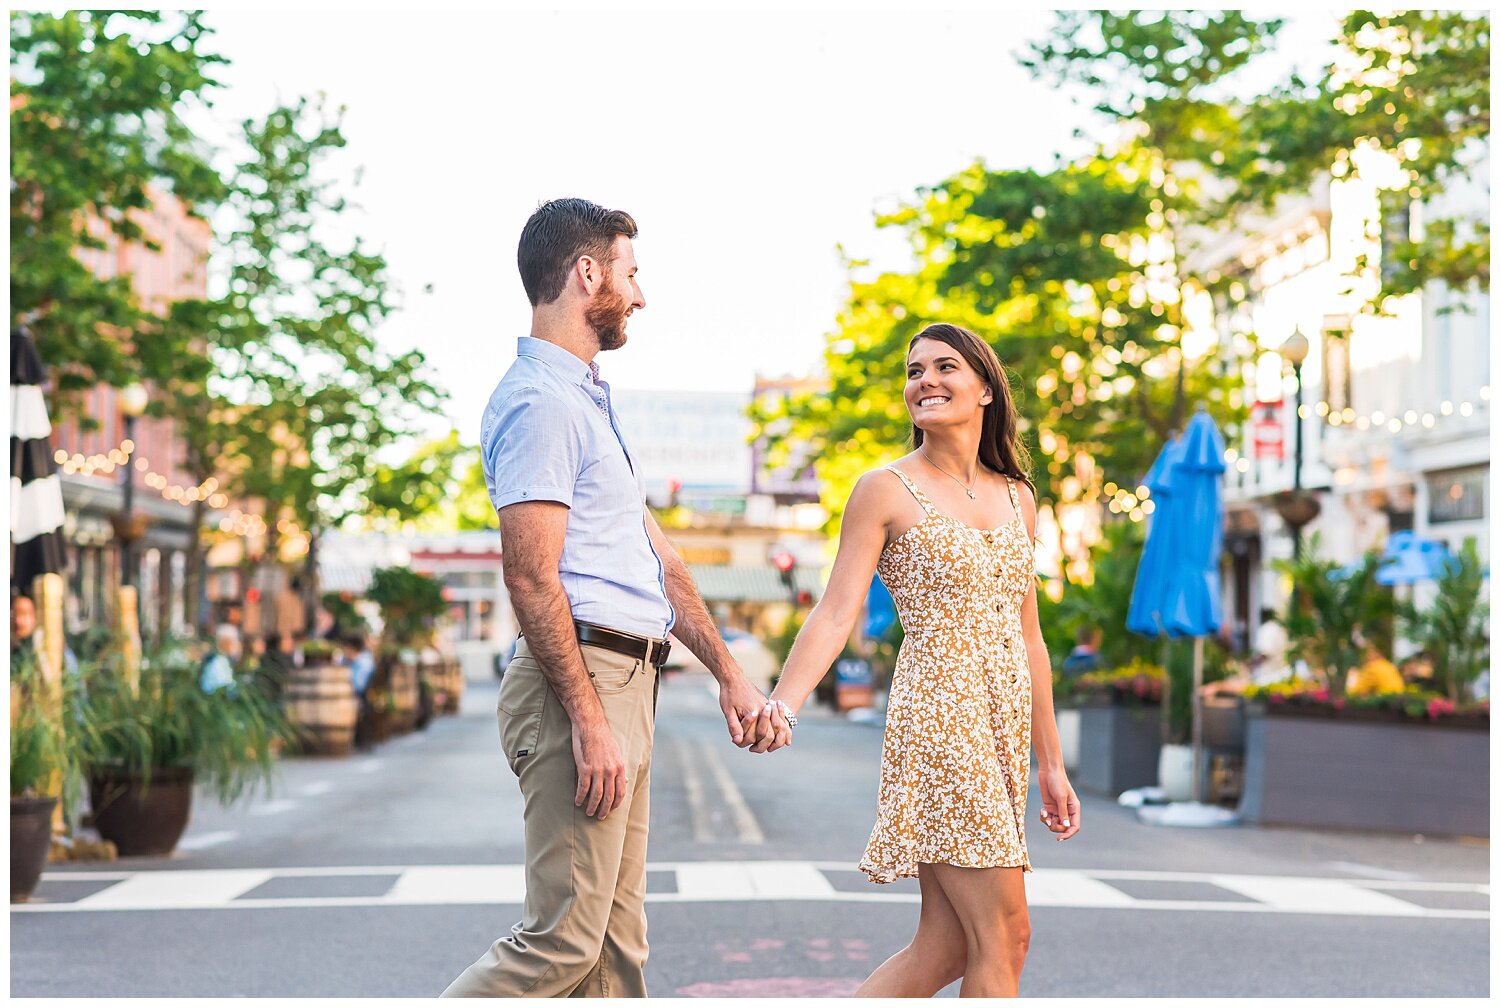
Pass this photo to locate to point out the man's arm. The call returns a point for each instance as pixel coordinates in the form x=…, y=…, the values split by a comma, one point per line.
x=738, y=699
x=531, y=542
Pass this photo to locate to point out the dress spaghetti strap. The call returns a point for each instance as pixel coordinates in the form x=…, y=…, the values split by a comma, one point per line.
x=927, y=505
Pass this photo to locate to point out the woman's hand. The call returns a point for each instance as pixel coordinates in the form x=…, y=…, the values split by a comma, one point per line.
x=1060, y=811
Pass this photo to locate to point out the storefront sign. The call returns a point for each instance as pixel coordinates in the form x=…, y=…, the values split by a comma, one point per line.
x=1267, y=434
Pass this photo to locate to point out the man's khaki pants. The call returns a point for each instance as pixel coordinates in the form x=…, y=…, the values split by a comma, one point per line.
x=583, y=926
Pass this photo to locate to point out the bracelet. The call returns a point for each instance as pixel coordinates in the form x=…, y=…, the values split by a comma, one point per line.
x=791, y=719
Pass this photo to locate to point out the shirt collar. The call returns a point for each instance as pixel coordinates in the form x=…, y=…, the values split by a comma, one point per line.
x=556, y=357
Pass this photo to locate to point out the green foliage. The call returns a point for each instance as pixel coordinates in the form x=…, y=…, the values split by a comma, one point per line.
x=1413, y=703
x=346, y=618
x=1330, y=610
x=1454, y=628
x=43, y=750
x=410, y=603
x=1105, y=602
x=98, y=132
x=1137, y=682
x=299, y=350
x=439, y=488
x=226, y=737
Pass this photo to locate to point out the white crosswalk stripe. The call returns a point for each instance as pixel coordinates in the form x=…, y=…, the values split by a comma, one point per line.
x=746, y=881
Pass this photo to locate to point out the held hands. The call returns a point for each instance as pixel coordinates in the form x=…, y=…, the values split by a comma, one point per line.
x=753, y=722
x=772, y=727
x=1060, y=811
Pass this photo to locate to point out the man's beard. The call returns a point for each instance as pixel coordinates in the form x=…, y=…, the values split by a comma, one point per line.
x=606, y=316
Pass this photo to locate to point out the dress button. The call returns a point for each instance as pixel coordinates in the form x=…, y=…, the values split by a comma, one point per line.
x=997, y=606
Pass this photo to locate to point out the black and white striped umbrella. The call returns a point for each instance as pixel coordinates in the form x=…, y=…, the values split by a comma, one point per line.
x=36, y=503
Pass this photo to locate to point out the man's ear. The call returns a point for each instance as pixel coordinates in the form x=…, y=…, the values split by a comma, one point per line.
x=589, y=273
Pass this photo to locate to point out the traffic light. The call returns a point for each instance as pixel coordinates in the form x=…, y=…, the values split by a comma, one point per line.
x=786, y=564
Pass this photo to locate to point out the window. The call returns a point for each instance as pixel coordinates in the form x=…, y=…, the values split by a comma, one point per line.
x=1457, y=495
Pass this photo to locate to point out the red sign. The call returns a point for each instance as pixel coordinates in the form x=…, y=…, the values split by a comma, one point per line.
x=1267, y=433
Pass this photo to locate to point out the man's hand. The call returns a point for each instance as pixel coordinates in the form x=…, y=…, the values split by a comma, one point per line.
x=741, y=704
x=602, y=780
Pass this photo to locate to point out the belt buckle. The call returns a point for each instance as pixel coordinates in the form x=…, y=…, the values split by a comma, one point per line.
x=664, y=649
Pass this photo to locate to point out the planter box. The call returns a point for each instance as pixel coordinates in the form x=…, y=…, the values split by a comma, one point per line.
x=1406, y=777
x=1118, y=747
x=1067, y=737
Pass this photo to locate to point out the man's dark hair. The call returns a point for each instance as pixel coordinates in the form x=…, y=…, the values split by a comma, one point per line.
x=556, y=236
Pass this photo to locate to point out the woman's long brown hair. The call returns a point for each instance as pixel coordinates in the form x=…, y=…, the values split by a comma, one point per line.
x=1000, y=446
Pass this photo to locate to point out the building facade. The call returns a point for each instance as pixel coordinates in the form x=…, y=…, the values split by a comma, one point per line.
x=1393, y=410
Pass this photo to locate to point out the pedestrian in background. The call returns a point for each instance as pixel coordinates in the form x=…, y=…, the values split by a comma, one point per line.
x=1085, y=654
x=949, y=528
x=596, y=587
x=217, y=671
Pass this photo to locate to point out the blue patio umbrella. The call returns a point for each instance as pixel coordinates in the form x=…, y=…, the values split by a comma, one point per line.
x=1408, y=559
x=1176, y=591
x=1145, y=615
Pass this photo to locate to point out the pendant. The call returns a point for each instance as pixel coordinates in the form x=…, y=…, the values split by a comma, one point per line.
x=970, y=493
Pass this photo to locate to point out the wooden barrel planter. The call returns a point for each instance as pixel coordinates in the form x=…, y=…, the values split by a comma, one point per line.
x=405, y=692
x=322, y=707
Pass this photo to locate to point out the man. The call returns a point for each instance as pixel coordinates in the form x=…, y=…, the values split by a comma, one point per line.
x=1084, y=657
x=218, y=666
x=596, y=588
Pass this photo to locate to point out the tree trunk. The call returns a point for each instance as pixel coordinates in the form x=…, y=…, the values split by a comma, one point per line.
x=311, y=590
x=192, y=574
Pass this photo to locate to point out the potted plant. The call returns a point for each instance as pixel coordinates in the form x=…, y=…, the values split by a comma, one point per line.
x=1454, y=629
x=1332, y=609
x=143, y=745
x=1415, y=760
x=320, y=701
x=1119, y=726
x=42, y=772
x=410, y=605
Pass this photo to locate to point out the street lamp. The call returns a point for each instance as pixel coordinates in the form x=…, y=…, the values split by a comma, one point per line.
x=132, y=400
x=1296, y=508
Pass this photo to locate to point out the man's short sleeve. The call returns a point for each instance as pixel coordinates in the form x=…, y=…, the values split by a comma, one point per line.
x=533, y=449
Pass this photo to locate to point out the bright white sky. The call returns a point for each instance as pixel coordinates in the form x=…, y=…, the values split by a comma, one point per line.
x=748, y=146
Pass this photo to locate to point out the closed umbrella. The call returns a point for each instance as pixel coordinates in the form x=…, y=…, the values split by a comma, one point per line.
x=36, y=504
x=1176, y=591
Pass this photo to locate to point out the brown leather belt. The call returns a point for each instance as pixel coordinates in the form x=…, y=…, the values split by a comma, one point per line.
x=652, y=652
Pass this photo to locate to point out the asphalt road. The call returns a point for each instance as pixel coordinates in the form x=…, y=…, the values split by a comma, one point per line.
x=386, y=874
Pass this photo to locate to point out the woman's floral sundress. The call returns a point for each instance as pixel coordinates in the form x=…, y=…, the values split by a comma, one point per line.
x=956, y=760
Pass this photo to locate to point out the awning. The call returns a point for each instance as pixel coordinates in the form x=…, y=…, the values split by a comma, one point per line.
x=750, y=584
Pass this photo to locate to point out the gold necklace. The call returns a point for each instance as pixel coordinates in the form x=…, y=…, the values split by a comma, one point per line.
x=967, y=489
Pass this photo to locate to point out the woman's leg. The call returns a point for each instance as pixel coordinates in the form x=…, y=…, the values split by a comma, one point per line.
x=990, y=904
x=935, y=957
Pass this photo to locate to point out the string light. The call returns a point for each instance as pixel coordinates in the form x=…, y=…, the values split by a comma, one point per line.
x=1395, y=422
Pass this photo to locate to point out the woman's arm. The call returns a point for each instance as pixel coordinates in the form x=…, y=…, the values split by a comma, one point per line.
x=1060, y=811
x=828, y=626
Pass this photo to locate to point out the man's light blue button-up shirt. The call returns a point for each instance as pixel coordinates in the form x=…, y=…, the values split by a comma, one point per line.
x=549, y=434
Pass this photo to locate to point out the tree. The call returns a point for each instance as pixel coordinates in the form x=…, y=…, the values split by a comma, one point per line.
x=96, y=133
x=309, y=396
x=1415, y=84
x=439, y=488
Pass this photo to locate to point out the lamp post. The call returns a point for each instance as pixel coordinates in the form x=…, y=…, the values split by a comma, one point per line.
x=132, y=404
x=1296, y=508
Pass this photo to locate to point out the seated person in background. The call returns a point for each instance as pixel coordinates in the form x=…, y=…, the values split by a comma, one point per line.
x=1267, y=663
x=1085, y=654
x=218, y=668
x=1376, y=675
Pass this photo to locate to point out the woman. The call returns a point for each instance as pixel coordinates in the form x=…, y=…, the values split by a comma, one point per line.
x=949, y=528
